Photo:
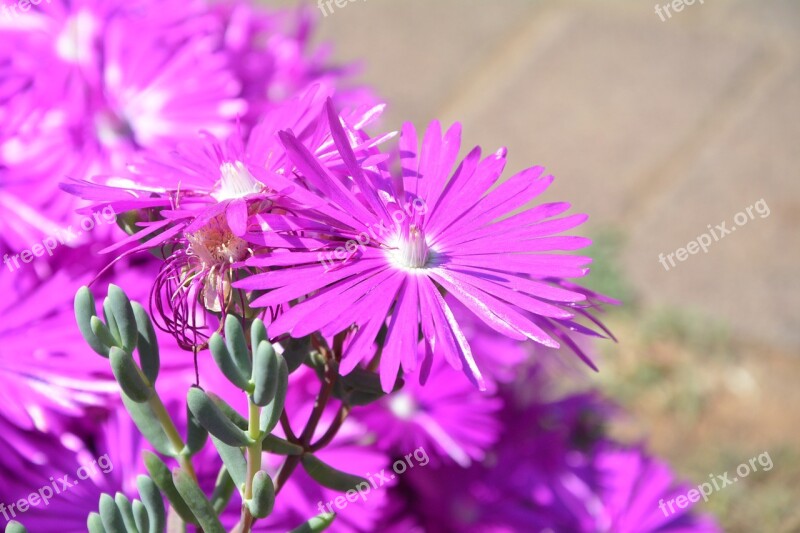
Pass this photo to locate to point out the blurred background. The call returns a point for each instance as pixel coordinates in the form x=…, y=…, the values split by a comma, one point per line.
x=656, y=126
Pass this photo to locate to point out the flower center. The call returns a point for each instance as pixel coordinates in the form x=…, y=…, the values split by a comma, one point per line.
x=402, y=405
x=413, y=250
x=236, y=182
x=215, y=244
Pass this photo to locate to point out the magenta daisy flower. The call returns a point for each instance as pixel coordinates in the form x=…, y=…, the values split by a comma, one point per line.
x=390, y=246
x=203, y=206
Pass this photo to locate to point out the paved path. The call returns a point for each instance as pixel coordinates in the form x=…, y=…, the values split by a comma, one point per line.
x=657, y=128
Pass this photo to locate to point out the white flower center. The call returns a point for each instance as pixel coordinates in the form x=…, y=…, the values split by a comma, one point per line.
x=413, y=249
x=236, y=182
x=402, y=405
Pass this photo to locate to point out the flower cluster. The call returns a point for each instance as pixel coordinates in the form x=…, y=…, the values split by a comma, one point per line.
x=371, y=297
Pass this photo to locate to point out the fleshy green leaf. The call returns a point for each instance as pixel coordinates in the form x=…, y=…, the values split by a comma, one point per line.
x=197, y=502
x=258, y=332
x=126, y=510
x=111, y=321
x=229, y=367
x=321, y=522
x=102, y=333
x=162, y=477
x=237, y=345
x=271, y=414
x=140, y=518
x=223, y=490
x=329, y=477
x=234, y=461
x=277, y=445
x=147, y=343
x=84, y=311
x=15, y=527
x=129, y=376
x=263, y=495
x=111, y=515
x=196, y=435
x=152, y=501
x=149, y=426
x=265, y=374
x=214, y=420
x=122, y=310
x=232, y=414
x=95, y=524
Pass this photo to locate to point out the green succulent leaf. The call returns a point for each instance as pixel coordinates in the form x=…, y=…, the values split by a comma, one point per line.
x=101, y=332
x=197, y=502
x=258, y=332
x=122, y=311
x=111, y=321
x=129, y=377
x=223, y=490
x=95, y=524
x=277, y=445
x=111, y=515
x=232, y=414
x=153, y=503
x=226, y=363
x=147, y=343
x=149, y=426
x=140, y=518
x=265, y=374
x=196, y=435
x=84, y=311
x=263, y=495
x=15, y=527
x=126, y=510
x=329, y=477
x=162, y=477
x=237, y=345
x=214, y=420
x=234, y=461
x=321, y=522
x=271, y=414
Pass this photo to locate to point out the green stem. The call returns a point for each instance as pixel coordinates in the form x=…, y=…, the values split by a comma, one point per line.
x=172, y=433
x=253, y=462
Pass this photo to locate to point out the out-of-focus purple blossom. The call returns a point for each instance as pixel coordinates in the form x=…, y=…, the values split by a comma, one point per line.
x=85, y=85
x=113, y=444
x=448, y=417
x=552, y=470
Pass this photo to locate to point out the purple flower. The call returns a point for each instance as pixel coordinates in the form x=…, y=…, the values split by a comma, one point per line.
x=404, y=240
x=448, y=417
x=632, y=487
x=552, y=469
x=71, y=469
x=212, y=197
